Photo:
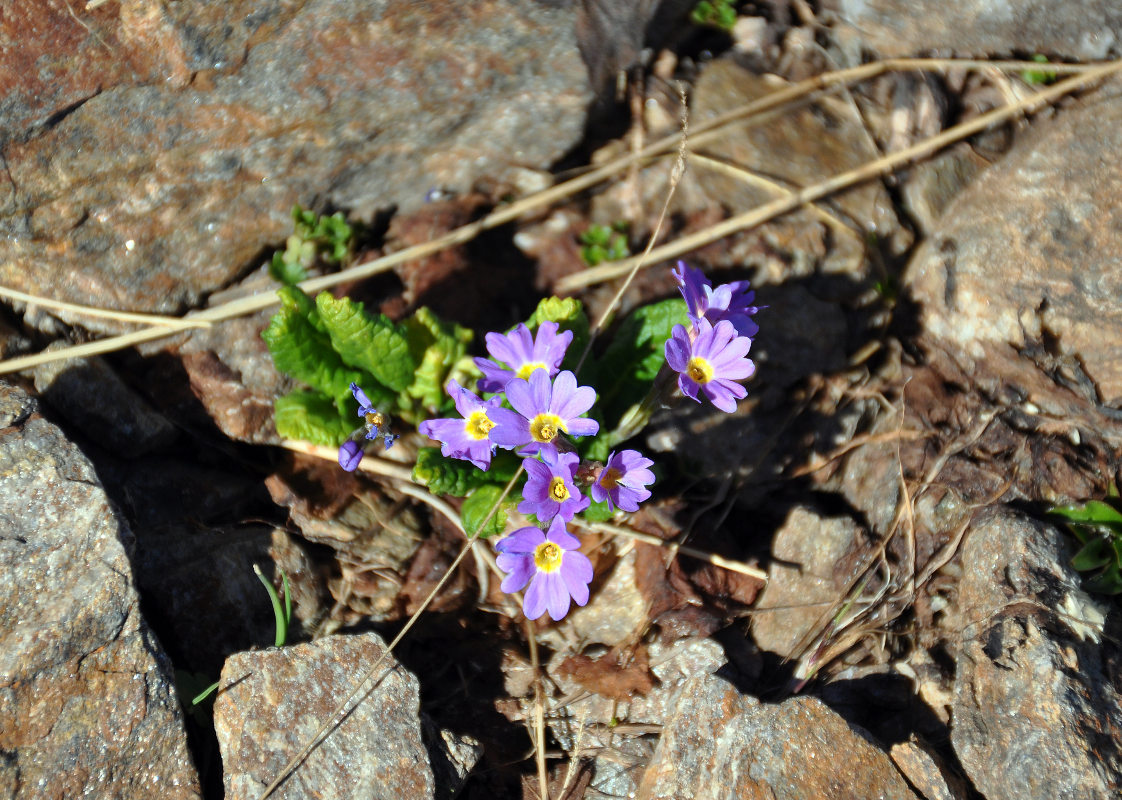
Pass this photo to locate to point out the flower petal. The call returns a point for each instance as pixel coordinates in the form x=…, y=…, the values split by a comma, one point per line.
x=535, y=599
x=521, y=541
x=521, y=569
x=557, y=595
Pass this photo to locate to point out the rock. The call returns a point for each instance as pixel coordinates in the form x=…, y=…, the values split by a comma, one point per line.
x=91, y=396
x=925, y=772
x=272, y=702
x=795, y=149
x=1089, y=31
x=587, y=722
x=801, y=586
x=152, y=187
x=1035, y=713
x=1028, y=255
x=721, y=744
x=88, y=706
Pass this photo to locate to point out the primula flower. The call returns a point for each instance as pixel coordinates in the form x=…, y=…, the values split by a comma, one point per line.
x=712, y=362
x=623, y=481
x=377, y=423
x=729, y=301
x=550, y=489
x=523, y=354
x=468, y=438
x=542, y=412
x=550, y=563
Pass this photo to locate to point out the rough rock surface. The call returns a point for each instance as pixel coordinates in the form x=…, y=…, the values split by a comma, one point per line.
x=83, y=683
x=272, y=703
x=156, y=182
x=1031, y=253
x=801, y=583
x=721, y=744
x=1086, y=31
x=1035, y=713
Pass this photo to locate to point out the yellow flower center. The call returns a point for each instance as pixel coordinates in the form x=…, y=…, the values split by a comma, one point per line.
x=609, y=478
x=375, y=419
x=558, y=490
x=545, y=427
x=547, y=557
x=699, y=370
x=529, y=368
x=477, y=426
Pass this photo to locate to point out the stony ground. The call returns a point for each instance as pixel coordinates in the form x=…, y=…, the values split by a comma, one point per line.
x=938, y=366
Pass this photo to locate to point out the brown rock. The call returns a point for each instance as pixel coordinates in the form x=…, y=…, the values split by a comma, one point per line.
x=1035, y=713
x=800, y=584
x=721, y=744
x=1027, y=255
x=1088, y=31
x=272, y=702
x=152, y=196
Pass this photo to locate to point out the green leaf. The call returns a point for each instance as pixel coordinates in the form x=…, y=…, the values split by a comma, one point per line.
x=280, y=621
x=478, y=505
x=447, y=475
x=312, y=417
x=636, y=354
x=436, y=347
x=372, y=343
x=1093, y=555
x=1092, y=512
x=1107, y=582
x=285, y=271
x=598, y=512
x=300, y=348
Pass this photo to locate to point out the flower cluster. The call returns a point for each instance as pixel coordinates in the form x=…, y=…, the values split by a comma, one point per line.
x=711, y=355
x=547, y=409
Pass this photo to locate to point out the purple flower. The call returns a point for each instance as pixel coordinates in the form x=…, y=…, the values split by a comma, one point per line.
x=350, y=453
x=550, y=563
x=623, y=480
x=712, y=362
x=377, y=423
x=550, y=489
x=542, y=412
x=729, y=301
x=522, y=354
x=468, y=438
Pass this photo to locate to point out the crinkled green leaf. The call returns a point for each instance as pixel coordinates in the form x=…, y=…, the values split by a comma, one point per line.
x=636, y=354
x=447, y=475
x=569, y=315
x=368, y=342
x=284, y=271
x=301, y=349
x=1109, y=581
x=436, y=347
x=311, y=417
x=478, y=505
x=455, y=477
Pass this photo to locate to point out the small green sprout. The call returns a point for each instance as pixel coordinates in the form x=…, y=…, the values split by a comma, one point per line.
x=1038, y=77
x=1098, y=527
x=314, y=237
x=719, y=14
x=604, y=243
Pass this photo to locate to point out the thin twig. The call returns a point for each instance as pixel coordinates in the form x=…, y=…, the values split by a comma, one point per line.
x=845, y=180
x=104, y=313
x=701, y=555
x=539, y=710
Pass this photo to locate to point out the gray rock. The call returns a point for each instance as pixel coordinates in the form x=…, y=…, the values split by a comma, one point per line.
x=801, y=586
x=157, y=187
x=103, y=407
x=1035, y=713
x=272, y=702
x=85, y=684
x=1031, y=252
x=721, y=744
x=1085, y=31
